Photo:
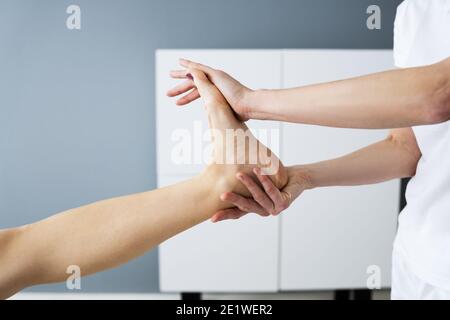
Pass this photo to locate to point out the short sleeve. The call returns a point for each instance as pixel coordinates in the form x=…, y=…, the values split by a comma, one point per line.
x=407, y=21
x=399, y=45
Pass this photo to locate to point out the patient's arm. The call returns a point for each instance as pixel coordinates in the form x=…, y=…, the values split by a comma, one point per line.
x=108, y=233
x=103, y=234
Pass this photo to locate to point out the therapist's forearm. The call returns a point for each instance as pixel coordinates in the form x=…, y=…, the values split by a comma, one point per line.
x=391, y=99
x=395, y=157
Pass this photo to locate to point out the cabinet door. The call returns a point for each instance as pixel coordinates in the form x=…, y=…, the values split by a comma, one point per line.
x=331, y=236
x=228, y=256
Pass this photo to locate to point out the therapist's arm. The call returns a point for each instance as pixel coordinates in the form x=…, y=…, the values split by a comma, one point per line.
x=392, y=99
x=394, y=157
x=108, y=233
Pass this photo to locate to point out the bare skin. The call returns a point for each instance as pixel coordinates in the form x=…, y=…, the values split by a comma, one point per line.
x=395, y=157
x=392, y=99
x=108, y=233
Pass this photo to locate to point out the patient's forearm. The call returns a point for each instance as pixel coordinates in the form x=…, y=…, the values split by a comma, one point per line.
x=105, y=234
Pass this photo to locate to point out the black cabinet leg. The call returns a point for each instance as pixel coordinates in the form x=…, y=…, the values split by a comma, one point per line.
x=357, y=294
x=362, y=294
x=191, y=296
x=342, y=295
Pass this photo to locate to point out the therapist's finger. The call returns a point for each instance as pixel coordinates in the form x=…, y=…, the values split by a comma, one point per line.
x=191, y=96
x=243, y=203
x=271, y=190
x=181, y=88
x=258, y=194
x=236, y=216
x=232, y=213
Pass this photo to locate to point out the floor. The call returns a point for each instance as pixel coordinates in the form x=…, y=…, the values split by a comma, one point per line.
x=316, y=295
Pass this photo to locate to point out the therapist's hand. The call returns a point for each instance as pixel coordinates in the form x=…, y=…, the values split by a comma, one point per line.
x=267, y=198
x=236, y=94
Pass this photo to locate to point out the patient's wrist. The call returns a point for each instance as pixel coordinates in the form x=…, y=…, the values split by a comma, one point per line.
x=217, y=179
x=221, y=177
x=214, y=108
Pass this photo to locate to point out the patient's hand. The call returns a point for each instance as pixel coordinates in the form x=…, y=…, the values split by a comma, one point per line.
x=240, y=98
x=236, y=150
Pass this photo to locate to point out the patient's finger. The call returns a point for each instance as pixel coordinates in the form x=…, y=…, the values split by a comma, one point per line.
x=181, y=88
x=208, y=91
x=200, y=79
x=194, y=65
x=257, y=193
x=178, y=74
x=191, y=96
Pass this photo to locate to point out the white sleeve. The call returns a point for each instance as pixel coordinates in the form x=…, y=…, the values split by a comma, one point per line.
x=407, y=21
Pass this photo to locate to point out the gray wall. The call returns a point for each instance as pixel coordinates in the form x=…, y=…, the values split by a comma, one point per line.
x=77, y=107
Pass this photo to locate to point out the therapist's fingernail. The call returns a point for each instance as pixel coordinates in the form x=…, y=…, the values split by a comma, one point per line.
x=189, y=76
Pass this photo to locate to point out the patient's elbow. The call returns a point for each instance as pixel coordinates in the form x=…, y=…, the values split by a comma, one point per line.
x=15, y=262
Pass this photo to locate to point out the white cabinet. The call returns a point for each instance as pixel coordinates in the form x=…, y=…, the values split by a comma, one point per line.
x=328, y=238
x=230, y=256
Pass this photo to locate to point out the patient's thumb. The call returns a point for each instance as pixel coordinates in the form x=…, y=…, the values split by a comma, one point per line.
x=206, y=89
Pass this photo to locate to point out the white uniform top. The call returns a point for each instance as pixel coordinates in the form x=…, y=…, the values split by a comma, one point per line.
x=422, y=37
